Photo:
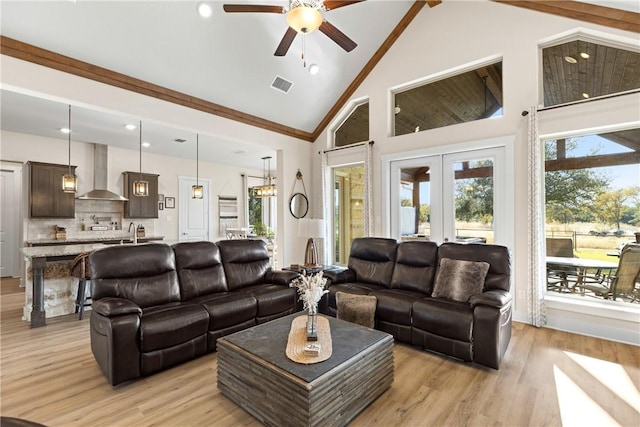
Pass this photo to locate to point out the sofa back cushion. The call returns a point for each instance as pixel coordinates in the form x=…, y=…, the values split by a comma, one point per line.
x=145, y=274
x=373, y=259
x=498, y=257
x=245, y=262
x=415, y=268
x=199, y=268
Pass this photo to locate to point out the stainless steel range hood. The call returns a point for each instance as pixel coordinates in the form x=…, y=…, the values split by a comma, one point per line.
x=100, y=192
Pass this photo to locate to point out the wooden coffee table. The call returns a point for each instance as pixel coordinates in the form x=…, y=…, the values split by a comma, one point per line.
x=255, y=373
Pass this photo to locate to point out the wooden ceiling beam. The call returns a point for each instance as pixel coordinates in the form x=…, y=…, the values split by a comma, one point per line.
x=601, y=15
x=603, y=160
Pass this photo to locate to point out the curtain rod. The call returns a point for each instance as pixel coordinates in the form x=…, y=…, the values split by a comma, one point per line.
x=582, y=101
x=344, y=148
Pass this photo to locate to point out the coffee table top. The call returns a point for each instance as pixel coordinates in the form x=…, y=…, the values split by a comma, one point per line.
x=268, y=341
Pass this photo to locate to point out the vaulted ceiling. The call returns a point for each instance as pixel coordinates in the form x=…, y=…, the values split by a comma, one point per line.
x=225, y=65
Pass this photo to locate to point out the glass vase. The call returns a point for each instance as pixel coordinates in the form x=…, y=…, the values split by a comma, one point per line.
x=312, y=324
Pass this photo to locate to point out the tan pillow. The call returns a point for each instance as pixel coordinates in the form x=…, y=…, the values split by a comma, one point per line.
x=360, y=309
x=459, y=280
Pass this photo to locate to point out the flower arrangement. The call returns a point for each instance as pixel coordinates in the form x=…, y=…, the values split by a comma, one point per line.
x=310, y=290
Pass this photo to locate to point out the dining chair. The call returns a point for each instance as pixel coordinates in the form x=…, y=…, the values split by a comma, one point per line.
x=558, y=277
x=625, y=280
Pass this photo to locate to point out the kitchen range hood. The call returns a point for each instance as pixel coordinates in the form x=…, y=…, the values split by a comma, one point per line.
x=100, y=191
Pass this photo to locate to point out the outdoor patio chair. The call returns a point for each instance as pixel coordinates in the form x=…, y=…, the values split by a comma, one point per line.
x=625, y=281
x=557, y=278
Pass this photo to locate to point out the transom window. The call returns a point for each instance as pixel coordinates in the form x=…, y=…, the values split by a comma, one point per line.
x=465, y=97
x=355, y=128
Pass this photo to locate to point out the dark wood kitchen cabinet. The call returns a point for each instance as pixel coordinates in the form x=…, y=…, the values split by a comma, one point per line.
x=46, y=198
x=140, y=206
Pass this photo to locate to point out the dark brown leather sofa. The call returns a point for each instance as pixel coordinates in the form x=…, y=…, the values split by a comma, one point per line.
x=402, y=276
x=155, y=305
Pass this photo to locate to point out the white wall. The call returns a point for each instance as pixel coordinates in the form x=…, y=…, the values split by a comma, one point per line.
x=459, y=33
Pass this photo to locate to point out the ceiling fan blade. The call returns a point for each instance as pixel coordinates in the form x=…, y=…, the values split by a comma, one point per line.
x=252, y=8
x=330, y=5
x=337, y=36
x=286, y=41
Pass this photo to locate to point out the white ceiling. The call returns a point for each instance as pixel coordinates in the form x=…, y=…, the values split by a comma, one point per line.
x=226, y=59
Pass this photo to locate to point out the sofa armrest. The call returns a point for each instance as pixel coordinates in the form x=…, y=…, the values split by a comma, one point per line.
x=336, y=276
x=280, y=277
x=495, y=298
x=110, y=307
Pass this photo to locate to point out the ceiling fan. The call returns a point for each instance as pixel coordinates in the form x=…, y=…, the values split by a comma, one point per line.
x=303, y=16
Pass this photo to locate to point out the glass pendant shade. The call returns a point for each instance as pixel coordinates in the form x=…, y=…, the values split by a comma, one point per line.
x=304, y=19
x=69, y=180
x=69, y=183
x=140, y=187
x=197, y=191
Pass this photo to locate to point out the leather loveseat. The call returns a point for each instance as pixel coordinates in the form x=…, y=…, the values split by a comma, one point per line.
x=155, y=305
x=402, y=277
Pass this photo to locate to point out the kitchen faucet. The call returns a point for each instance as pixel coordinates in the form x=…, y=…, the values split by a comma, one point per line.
x=135, y=232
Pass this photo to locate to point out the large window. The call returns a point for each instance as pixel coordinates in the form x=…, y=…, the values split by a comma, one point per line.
x=465, y=97
x=348, y=205
x=592, y=208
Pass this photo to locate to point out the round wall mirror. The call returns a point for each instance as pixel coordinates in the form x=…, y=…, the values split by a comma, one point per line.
x=298, y=205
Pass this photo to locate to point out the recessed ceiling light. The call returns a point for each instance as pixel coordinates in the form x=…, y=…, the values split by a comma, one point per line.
x=570, y=59
x=65, y=130
x=584, y=55
x=145, y=144
x=313, y=69
x=130, y=126
x=204, y=9
x=585, y=95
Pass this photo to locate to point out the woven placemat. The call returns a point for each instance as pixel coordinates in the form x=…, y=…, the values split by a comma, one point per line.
x=298, y=339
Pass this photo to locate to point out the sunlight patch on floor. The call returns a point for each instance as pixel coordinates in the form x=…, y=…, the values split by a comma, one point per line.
x=577, y=408
x=611, y=375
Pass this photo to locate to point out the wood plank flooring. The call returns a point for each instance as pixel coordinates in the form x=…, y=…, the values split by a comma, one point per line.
x=549, y=378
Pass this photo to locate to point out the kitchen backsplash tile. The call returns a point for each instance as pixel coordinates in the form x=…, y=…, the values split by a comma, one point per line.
x=89, y=212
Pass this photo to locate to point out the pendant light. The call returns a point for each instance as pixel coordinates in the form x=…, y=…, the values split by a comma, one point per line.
x=69, y=180
x=140, y=187
x=268, y=189
x=196, y=190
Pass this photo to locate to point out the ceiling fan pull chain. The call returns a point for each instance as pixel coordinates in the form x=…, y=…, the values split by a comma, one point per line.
x=304, y=62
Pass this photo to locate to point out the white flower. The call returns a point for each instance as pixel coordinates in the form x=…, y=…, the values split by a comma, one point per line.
x=310, y=290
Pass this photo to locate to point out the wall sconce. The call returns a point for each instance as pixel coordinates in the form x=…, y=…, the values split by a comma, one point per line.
x=69, y=180
x=311, y=228
x=196, y=190
x=140, y=187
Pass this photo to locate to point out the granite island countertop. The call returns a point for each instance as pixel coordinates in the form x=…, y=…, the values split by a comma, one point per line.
x=60, y=250
x=88, y=240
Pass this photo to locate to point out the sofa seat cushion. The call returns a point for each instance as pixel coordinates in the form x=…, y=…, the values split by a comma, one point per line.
x=272, y=299
x=171, y=324
x=396, y=306
x=356, y=288
x=445, y=318
x=228, y=309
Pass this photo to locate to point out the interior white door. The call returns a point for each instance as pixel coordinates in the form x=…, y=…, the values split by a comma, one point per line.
x=9, y=208
x=194, y=223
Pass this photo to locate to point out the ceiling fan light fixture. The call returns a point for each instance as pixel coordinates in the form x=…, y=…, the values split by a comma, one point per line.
x=304, y=19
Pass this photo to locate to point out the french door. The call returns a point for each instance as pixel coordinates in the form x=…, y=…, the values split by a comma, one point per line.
x=460, y=196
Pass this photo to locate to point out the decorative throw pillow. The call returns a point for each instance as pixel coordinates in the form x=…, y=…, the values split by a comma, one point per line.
x=459, y=280
x=360, y=309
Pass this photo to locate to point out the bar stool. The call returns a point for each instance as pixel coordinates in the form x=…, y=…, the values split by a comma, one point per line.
x=80, y=269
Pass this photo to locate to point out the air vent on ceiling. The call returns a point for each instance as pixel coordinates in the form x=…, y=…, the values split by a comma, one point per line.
x=180, y=140
x=281, y=84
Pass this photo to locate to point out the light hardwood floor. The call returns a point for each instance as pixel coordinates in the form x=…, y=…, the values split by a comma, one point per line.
x=548, y=378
